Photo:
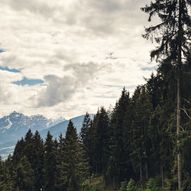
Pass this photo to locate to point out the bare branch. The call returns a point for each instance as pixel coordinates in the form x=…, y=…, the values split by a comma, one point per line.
x=184, y=110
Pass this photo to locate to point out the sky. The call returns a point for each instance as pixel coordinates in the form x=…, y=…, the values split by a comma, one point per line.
x=66, y=57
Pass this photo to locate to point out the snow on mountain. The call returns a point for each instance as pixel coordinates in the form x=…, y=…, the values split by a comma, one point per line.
x=60, y=128
x=14, y=126
x=56, y=121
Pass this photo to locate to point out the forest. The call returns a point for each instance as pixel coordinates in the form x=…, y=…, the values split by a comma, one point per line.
x=142, y=144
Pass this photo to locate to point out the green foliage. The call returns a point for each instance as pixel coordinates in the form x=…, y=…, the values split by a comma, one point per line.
x=24, y=175
x=132, y=186
x=96, y=184
x=153, y=185
x=49, y=164
x=73, y=166
x=123, y=186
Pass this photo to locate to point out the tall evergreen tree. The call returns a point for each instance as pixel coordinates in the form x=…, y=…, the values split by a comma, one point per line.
x=74, y=163
x=116, y=166
x=173, y=36
x=85, y=129
x=24, y=175
x=102, y=133
x=85, y=133
x=141, y=144
x=60, y=165
x=49, y=164
x=38, y=159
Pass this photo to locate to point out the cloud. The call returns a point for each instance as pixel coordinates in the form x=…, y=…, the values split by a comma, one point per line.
x=62, y=89
x=68, y=45
x=34, y=6
x=93, y=16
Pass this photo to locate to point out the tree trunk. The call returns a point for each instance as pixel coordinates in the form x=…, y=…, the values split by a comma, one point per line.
x=146, y=171
x=141, y=172
x=178, y=114
x=178, y=134
x=162, y=176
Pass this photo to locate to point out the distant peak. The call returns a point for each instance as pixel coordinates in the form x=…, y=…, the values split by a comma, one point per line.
x=16, y=114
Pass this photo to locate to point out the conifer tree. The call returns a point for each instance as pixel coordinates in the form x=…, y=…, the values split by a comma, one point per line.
x=60, y=172
x=85, y=135
x=101, y=125
x=2, y=175
x=37, y=161
x=85, y=130
x=173, y=36
x=85, y=127
x=74, y=163
x=115, y=168
x=141, y=143
x=18, y=151
x=24, y=175
x=28, y=149
x=49, y=164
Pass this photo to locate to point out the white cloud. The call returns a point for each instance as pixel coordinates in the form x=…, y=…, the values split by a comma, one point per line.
x=63, y=89
x=68, y=44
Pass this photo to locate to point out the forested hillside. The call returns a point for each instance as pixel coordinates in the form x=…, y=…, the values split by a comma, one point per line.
x=135, y=142
x=142, y=144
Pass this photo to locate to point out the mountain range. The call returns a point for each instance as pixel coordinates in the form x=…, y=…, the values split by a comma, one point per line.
x=14, y=126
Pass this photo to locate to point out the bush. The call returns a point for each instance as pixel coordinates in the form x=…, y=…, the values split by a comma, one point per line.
x=153, y=184
x=132, y=186
x=129, y=186
x=123, y=186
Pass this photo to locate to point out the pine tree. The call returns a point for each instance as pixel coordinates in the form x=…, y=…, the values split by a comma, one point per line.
x=2, y=175
x=90, y=148
x=115, y=170
x=49, y=164
x=60, y=157
x=74, y=163
x=24, y=175
x=173, y=36
x=86, y=136
x=38, y=159
x=141, y=143
x=10, y=174
x=29, y=149
x=101, y=125
x=18, y=151
x=85, y=129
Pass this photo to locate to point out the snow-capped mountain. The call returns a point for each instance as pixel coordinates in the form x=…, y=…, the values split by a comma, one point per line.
x=14, y=126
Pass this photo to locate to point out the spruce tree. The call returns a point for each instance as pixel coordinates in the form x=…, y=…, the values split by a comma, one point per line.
x=61, y=177
x=18, y=151
x=24, y=175
x=49, y=164
x=85, y=131
x=2, y=174
x=141, y=144
x=115, y=170
x=173, y=36
x=74, y=163
x=37, y=161
x=101, y=125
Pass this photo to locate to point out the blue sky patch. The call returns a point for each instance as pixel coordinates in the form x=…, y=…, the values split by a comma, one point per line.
x=147, y=68
x=2, y=50
x=13, y=70
x=28, y=82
